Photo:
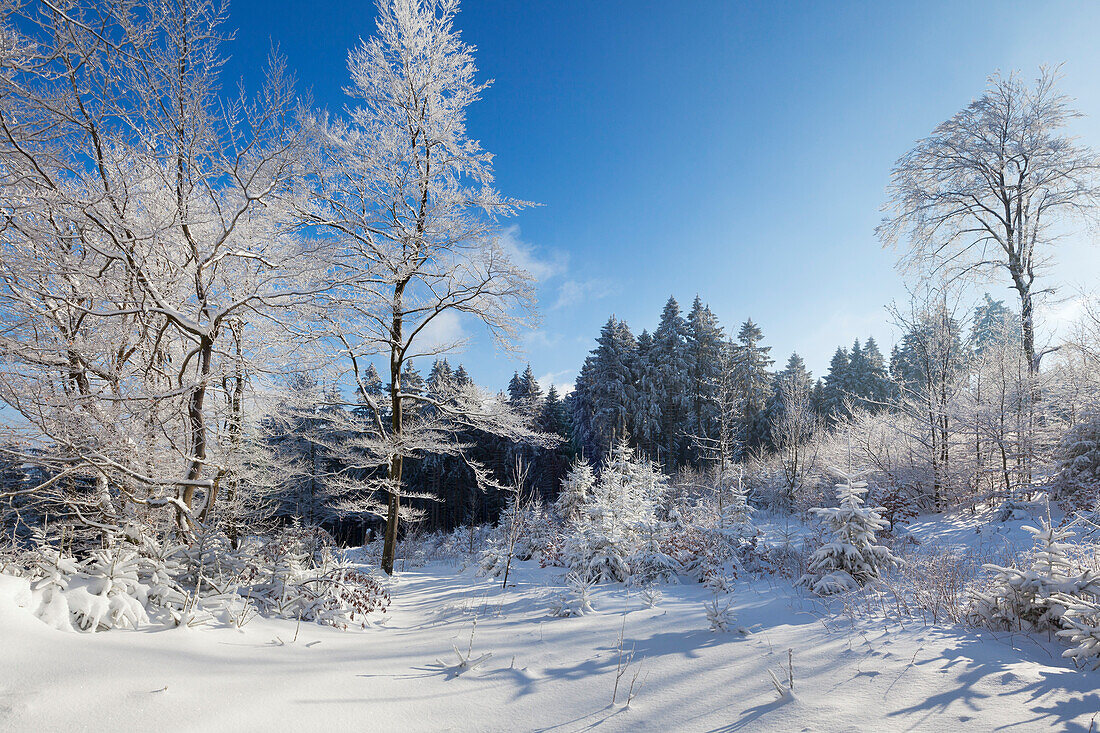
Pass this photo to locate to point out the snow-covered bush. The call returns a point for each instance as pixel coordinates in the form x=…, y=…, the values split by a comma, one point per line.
x=1081, y=617
x=617, y=520
x=494, y=559
x=138, y=579
x=526, y=532
x=575, y=491
x=1032, y=597
x=651, y=596
x=853, y=557
x=721, y=616
x=1078, y=463
x=650, y=563
x=575, y=600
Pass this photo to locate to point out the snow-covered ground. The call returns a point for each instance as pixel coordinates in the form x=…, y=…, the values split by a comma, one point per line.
x=546, y=673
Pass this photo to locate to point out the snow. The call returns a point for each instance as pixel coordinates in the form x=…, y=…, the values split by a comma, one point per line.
x=544, y=673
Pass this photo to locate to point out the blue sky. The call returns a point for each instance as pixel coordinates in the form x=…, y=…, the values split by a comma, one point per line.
x=738, y=151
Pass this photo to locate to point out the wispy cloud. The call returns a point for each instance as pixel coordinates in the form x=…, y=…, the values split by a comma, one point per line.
x=558, y=379
x=575, y=292
x=543, y=263
x=445, y=332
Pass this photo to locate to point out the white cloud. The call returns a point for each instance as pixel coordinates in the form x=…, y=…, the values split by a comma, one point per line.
x=575, y=292
x=563, y=386
x=444, y=332
x=543, y=263
x=541, y=339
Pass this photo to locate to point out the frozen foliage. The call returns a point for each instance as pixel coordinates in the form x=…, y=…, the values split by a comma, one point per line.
x=1081, y=617
x=721, y=617
x=576, y=489
x=1034, y=598
x=133, y=583
x=526, y=532
x=575, y=600
x=853, y=557
x=1078, y=461
x=651, y=596
x=617, y=525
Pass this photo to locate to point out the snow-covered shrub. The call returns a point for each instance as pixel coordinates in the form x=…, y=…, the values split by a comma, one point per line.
x=721, y=616
x=736, y=514
x=526, y=532
x=613, y=522
x=576, y=488
x=1078, y=463
x=651, y=596
x=1031, y=597
x=537, y=532
x=1081, y=617
x=650, y=563
x=138, y=579
x=494, y=559
x=575, y=600
x=853, y=557
x=298, y=576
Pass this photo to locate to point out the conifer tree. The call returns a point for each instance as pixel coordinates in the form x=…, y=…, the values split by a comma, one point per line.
x=836, y=385
x=853, y=557
x=646, y=410
x=612, y=386
x=705, y=342
x=581, y=408
x=671, y=361
x=755, y=381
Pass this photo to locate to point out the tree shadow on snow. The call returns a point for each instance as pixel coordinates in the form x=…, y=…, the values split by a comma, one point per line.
x=1061, y=699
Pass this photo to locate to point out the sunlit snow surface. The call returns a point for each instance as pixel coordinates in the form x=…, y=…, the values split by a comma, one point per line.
x=550, y=674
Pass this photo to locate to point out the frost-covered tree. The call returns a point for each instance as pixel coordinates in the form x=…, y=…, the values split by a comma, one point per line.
x=525, y=392
x=407, y=199
x=616, y=522
x=581, y=408
x=794, y=427
x=928, y=368
x=1078, y=463
x=1029, y=598
x=837, y=385
x=989, y=192
x=576, y=490
x=988, y=188
x=705, y=342
x=612, y=389
x=754, y=380
x=853, y=557
x=150, y=254
x=670, y=356
x=646, y=411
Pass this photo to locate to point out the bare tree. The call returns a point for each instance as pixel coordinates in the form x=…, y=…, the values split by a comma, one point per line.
x=985, y=191
x=928, y=373
x=148, y=245
x=794, y=431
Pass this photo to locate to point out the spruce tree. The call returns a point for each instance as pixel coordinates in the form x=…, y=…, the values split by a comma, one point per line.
x=754, y=381
x=646, y=410
x=673, y=400
x=853, y=557
x=705, y=342
x=613, y=384
x=836, y=385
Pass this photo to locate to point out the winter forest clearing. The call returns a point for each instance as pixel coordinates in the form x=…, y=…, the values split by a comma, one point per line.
x=231, y=500
x=851, y=671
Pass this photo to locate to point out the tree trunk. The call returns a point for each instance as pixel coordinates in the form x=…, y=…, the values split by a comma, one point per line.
x=389, y=544
x=197, y=419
